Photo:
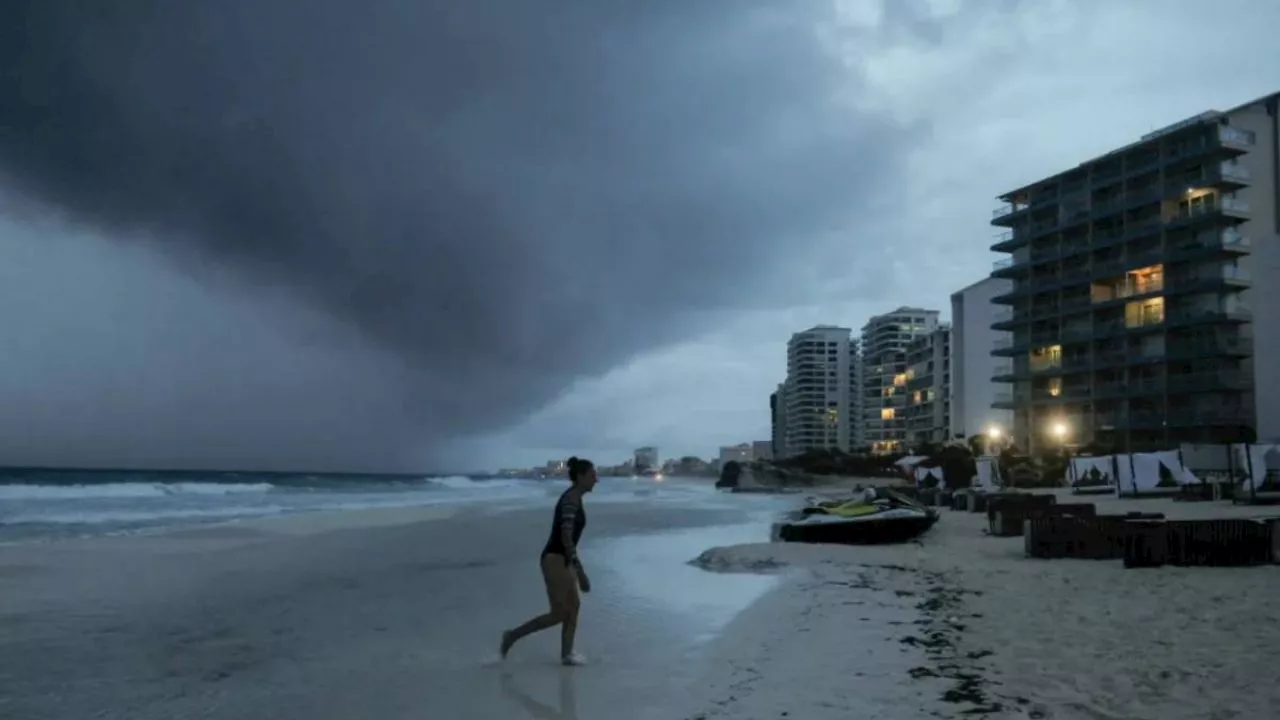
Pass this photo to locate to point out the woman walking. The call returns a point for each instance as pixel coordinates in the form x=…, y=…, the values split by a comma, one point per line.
x=561, y=569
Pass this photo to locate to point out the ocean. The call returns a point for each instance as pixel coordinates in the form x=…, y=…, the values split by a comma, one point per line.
x=51, y=504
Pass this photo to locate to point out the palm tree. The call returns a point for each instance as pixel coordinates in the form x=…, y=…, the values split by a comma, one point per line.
x=977, y=445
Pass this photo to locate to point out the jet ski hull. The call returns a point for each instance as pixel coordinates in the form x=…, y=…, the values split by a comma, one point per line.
x=866, y=530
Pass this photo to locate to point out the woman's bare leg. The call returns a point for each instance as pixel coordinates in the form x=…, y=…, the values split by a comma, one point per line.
x=538, y=624
x=563, y=598
x=568, y=630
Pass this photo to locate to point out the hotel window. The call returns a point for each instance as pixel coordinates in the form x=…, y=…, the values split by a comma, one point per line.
x=886, y=413
x=1144, y=312
x=1146, y=280
x=1046, y=357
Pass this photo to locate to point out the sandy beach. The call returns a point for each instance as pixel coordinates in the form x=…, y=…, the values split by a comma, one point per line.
x=1012, y=637
x=396, y=614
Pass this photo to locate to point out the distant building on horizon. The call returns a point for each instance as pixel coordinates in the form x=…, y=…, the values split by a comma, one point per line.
x=740, y=453
x=974, y=389
x=928, y=409
x=883, y=374
x=762, y=450
x=777, y=421
x=646, y=458
x=817, y=403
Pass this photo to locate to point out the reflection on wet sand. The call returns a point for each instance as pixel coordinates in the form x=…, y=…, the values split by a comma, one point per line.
x=535, y=709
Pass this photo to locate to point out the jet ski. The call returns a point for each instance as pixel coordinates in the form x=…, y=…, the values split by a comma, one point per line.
x=873, y=517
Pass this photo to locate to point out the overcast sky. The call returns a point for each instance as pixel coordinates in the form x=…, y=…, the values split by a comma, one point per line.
x=404, y=236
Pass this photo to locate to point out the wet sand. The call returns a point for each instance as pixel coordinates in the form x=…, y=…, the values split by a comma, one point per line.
x=397, y=613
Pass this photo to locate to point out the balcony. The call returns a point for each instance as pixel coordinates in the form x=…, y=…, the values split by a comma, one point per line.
x=1147, y=284
x=1227, y=241
x=1228, y=175
x=1121, y=327
x=1002, y=372
x=1231, y=278
x=1109, y=359
x=1003, y=319
x=1002, y=346
x=1209, y=417
x=1208, y=348
x=1181, y=417
x=1214, y=381
x=1041, y=228
x=1206, y=316
x=1074, y=276
x=1235, y=137
x=1130, y=388
x=1009, y=267
x=1006, y=400
x=1075, y=304
x=1041, y=368
x=1004, y=210
x=1008, y=241
x=1223, y=137
x=1075, y=393
x=1021, y=289
x=1129, y=420
x=1221, y=206
x=1126, y=201
x=1076, y=363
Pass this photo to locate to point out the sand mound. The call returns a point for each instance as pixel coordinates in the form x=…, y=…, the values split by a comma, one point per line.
x=740, y=559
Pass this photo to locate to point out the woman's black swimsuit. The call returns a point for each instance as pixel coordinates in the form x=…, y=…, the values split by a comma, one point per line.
x=567, y=524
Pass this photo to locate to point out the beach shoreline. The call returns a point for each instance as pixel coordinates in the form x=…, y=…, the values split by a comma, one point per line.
x=376, y=613
x=695, y=611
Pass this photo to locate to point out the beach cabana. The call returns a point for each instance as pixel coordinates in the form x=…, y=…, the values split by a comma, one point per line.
x=1260, y=472
x=1156, y=473
x=1093, y=475
x=988, y=477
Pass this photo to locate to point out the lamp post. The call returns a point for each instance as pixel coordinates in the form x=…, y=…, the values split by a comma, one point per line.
x=1059, y=430
x=994, y=433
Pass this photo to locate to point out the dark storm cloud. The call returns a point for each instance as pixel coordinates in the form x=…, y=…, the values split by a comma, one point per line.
x=502, y=195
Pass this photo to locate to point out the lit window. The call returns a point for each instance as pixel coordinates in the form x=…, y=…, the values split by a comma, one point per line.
x=886, y=413
x=1144, y=312
x=1046, y=357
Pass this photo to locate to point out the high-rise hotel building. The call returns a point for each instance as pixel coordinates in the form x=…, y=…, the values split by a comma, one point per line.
x=1143, y=310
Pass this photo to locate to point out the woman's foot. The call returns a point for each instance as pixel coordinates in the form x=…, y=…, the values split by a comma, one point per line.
x=573, y=660
x=507, y=641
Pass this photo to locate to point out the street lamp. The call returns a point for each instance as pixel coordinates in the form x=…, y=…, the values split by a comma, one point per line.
x=1059, y=430
x=994, y=433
